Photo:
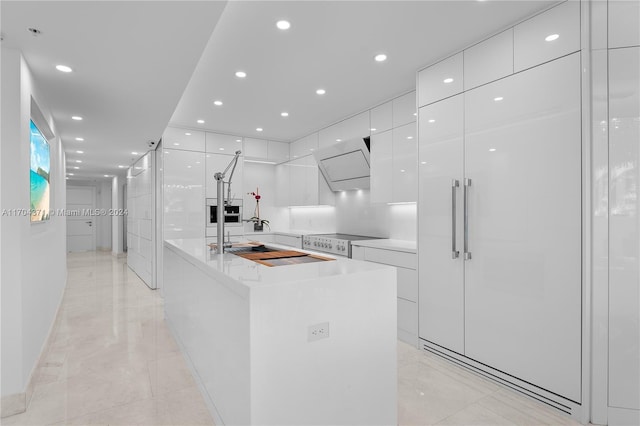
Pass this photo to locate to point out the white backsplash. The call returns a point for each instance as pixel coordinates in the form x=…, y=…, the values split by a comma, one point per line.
x=263, y=176
x=319, y=220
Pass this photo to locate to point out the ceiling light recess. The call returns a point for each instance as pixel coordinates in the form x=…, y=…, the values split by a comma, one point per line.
x=380, y=57
x=241, y=74
x=447, y=80
x=76, y=117
x=200, y=121
x=63, y=68
x=552, y=37
x=259, y=129
x=284, y=114
x=283, y=25
x=80, y=139
x=321, y=91
x=217, y=103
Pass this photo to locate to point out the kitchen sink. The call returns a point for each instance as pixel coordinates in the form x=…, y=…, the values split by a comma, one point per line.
x=250, y=249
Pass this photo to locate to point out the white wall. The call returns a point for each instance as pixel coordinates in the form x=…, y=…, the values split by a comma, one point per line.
x=33, y=256
x=263, y=176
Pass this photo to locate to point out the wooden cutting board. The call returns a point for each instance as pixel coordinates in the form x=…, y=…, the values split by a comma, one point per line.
x=271, y=254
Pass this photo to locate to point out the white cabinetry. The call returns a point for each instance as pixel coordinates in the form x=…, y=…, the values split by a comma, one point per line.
x=184, y=194
x=624, y=23
x=218, y=143
x=304, y=146
x=514, y=290
x=185, y=139
x=489, y=60
x=441, y=80
x=307, y=186
x=547, y=36
x=624, y=232
x=381, y=167
x=407, y=290
x=354, y=127
x=278, y=152
x=288, y=240
x=261, y=150
x=404, y=109
x=382, y=118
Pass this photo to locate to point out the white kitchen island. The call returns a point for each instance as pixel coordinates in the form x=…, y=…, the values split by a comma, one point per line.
x=253, y=336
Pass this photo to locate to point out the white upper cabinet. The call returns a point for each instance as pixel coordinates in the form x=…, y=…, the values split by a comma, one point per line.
x=382, y=118
x=185, y=139
x=624, y=23
x=357, y=126
x=307, y=186
x=217, y=143
x=440, y=80
x=404, y=109
x=256, y=148
x=283, y=184
x=547, y=36
x=404, y=170
x=304, y=146
x=278, y=152
x=381, y=166
x=489, y=60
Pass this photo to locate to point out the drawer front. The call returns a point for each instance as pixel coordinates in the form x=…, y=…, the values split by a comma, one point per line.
x=408, y=284
x=440, y=80
x=390, y=257
x=357, y=253
x=288, y=240
x=408, y=316
x=535, y=40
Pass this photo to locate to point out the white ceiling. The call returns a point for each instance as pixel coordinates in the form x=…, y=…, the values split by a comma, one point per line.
x=132, y=61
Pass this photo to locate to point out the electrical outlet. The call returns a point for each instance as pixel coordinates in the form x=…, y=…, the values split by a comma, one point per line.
x=318, y=331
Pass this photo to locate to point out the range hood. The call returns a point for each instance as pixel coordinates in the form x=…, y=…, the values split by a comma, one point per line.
x=345, y=165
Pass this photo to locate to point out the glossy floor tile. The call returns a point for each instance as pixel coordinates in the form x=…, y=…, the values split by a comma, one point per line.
x=111, y=360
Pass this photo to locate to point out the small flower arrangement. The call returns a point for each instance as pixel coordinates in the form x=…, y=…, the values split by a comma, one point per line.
x=258, y=224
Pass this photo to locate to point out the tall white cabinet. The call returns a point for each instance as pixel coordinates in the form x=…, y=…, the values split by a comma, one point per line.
x=500, y=212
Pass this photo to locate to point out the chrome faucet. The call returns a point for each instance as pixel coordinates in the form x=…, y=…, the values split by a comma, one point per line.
x=219, y=177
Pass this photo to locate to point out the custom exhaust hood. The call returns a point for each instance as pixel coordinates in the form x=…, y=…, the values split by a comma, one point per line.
x=346, y=165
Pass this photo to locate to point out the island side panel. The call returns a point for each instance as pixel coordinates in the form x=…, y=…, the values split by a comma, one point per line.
x=349, y=377
x=212, y=324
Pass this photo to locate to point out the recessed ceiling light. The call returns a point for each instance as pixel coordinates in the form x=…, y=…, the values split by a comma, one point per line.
x=197, y=162
x=79, y=152
x=188, y=167
x=107, y=175
x=321, y=91
x=380, y=57
x=432, y=121
x=415, y=114
x=200, y=121
x=338, y=140
x=241, y=74
x=448, y=80
x=63, y=68
x=498, y=99
x=176, y=144
x=283, y=25
x=409, y=137
x=238, y=140
x=217, y=103
x=284, y=114
x=552, y=37
x=76, y=117
x=492, y=149
x=259, y=129
x=373, y=129
x=221, y=149
x=75, y=168
x=134, y=153
x=187, y=134
x=423, y=162
x=78, y=161
x=80, y=139
x=121, y=166
x=402, y=170
x=70, y=174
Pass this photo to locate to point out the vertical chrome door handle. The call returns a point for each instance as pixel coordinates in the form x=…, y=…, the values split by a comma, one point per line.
x=467, y=253
x=454, y=184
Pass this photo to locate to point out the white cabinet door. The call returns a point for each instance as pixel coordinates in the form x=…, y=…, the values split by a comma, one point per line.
x=624, y=237
x=404, y=109
x=190, y=140
x=440, y=153
x=523, y=281
x=184, y=197
x=381, y=167
x=256, y=148
x=547, y=36
x=405, y=165
x=304, y=146
x=278, y=152
x=440, y=80
x=624, y=23
x=218, y=143
x=217, y=163
x=283, y=185
x=382, y=118
x=489, y=60
x=354, y=127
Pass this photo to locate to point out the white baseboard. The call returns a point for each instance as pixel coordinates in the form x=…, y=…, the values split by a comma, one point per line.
x=13, y=404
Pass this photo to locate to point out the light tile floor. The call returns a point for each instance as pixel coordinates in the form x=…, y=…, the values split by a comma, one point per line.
x=112, y=361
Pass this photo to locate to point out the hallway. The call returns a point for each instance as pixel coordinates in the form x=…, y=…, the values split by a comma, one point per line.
x=112, y=360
